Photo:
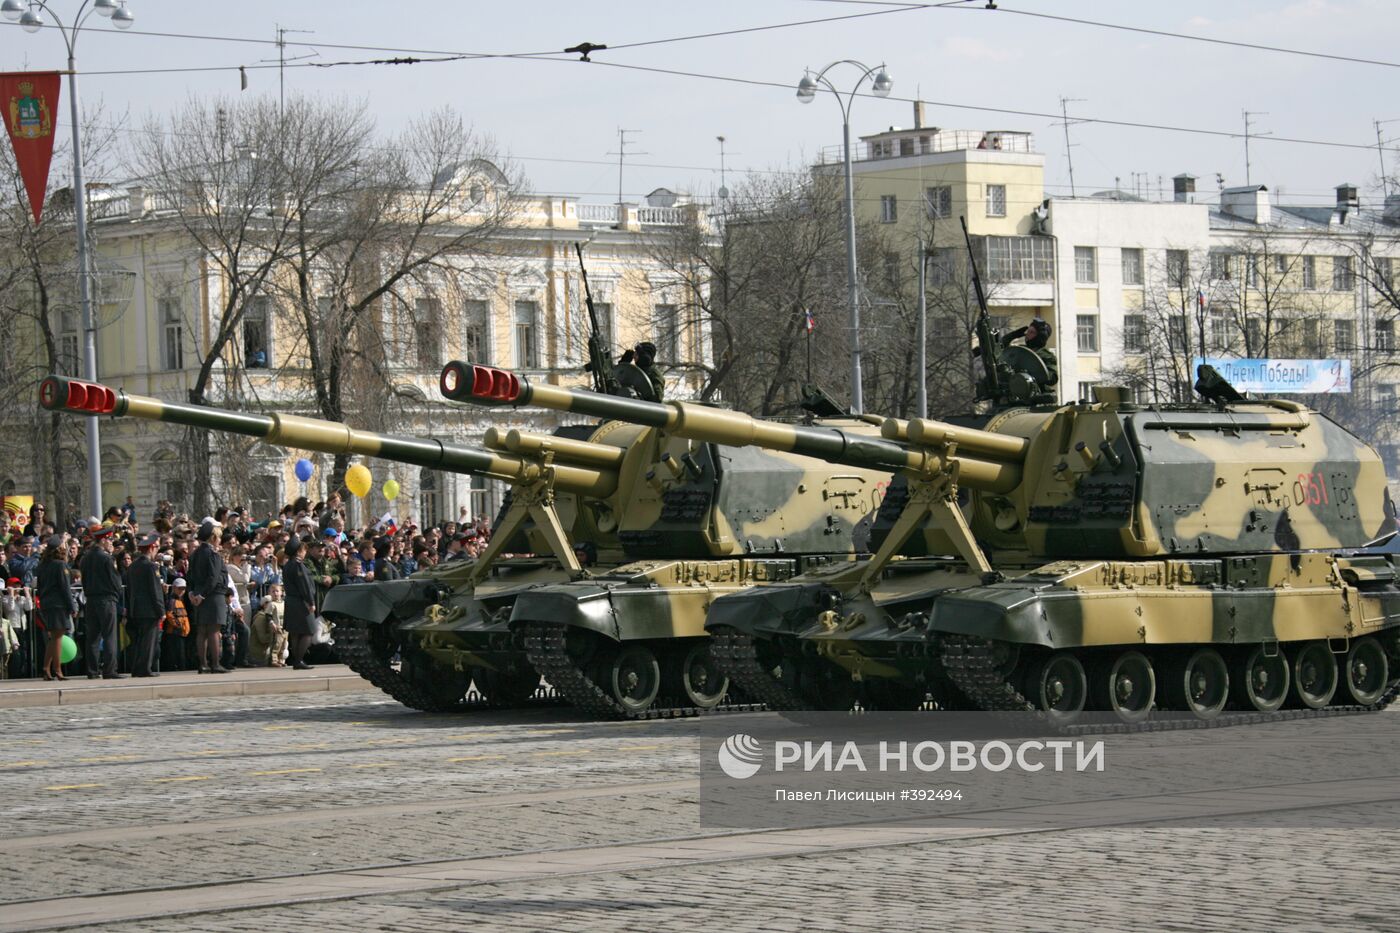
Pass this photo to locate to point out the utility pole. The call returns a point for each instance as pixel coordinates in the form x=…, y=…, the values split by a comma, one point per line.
x=1248, y=124
x=923, y=328
x=1069, y=156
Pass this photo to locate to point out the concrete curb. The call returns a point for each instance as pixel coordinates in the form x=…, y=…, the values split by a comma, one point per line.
x=258, y=682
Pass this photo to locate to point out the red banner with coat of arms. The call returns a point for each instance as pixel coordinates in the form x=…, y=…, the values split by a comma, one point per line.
x=30, y=102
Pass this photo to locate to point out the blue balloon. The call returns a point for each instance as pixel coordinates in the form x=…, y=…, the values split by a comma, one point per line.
x=304, y=469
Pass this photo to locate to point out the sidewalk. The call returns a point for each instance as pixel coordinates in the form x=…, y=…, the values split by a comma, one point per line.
x=255, y=681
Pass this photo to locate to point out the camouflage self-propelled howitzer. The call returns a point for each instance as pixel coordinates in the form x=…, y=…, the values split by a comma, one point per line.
x=695, y=520
x=427, y=639
x=1104, y=556
x=1184, y=557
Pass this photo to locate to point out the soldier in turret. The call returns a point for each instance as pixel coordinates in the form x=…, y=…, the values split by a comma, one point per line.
x=1036, y=335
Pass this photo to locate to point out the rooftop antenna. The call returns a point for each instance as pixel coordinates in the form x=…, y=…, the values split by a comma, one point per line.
x=622, y=154
x=282, y=60
x=1248, y=125
x=1380, y=154
x=1069, y=156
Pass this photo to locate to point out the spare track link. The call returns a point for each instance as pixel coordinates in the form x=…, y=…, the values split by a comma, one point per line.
x=352, y=644
x=971, y=663
x=736, y=656
x=545, y=647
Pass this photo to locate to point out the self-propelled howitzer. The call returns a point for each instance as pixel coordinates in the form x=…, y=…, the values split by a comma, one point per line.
x=444, y=625
x=1120, y=558
x=696, y=519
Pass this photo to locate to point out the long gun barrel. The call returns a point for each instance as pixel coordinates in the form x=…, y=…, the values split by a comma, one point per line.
x=59, y=393
x=1000, y=472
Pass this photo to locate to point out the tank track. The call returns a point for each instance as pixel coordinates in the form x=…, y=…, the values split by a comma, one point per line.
x=545, y=647
x=352, y=644
x=737, y=658
x=971, y=664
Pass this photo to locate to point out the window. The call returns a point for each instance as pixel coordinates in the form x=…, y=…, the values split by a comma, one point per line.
x=476, y=341
x=1385, y=335
x=526, y=336
x=1177, y=338
x=429, y=498
x=996, y=200
x=1309, y=272
x=939, y=201
x=1251, y=270
x=1390, y=454
x=263, y=497
x=69, y=355
x=1280, y=264
x=1134, y=333
x=1086, y=391
x=1342, y=280
x=1220, y=263
x=1310, y=337
x=1385, y=398
x=1343, y=335
x=1132, y=266
x=1219, y=329
x=1087, y=331
x=427, y=337
x=893, y=270
x=257, y=333
x=1383, y=274
x=1086, y=265
x=1019, y=259
x=668, y=334
x=1254, y=332
x=1178, y=268
x=943, y=265
x=172, y=330
x=479, y=496
x=906, y=147
x=889, y=211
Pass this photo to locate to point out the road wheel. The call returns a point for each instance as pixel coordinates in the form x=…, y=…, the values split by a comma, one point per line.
x=1366, y=671
x=1200, y=684
x=1261, y=682
x=701, y=680
x=1059, y=686
x=1314, y=672
x=1127, y=686
x=634, y=677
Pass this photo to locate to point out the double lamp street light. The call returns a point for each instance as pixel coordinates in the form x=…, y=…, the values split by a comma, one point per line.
x=806, y=92
x=29, y=14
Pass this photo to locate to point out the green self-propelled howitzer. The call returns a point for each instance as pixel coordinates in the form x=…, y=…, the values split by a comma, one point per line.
x=1106, y=556
x=428, y=639
x=695, y=520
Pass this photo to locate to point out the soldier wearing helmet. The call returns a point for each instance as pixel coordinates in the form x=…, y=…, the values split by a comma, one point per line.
x=1036, y=335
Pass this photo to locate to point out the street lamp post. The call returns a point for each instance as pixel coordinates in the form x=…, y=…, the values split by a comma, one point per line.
x=806, y=92
x=27, y=12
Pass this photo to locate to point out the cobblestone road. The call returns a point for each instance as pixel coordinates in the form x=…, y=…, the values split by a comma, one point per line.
x=532, y=819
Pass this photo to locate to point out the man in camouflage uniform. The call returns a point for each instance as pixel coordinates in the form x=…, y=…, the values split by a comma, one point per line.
x=1037, y=335
x=645, y=356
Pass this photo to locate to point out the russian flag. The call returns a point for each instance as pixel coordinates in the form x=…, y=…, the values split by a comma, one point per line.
x=810, y=320
x=388, y=524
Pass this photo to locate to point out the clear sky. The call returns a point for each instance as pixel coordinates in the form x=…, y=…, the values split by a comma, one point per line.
x=559, y=119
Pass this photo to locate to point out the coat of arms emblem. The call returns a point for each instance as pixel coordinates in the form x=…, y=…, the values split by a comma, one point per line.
x=29, y=115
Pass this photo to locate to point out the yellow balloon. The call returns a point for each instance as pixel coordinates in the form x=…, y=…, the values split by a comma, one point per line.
x=391, y=489
x=358, y=480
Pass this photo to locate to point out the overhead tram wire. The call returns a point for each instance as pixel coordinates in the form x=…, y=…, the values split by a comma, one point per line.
x=1142, y=30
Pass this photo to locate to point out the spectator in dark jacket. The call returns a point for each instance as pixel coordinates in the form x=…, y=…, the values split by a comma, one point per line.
x=57, y=606
x=299, y=612
x=102, y=590
x=208, y=593
x=145, y=606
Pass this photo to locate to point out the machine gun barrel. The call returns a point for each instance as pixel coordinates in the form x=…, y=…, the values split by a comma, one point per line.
x=484, y=385
x=59, y=393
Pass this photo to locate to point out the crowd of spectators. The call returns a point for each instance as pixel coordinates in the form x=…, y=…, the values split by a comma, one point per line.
x=207, y=594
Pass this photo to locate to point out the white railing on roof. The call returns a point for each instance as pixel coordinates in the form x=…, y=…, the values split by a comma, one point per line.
x=668, y=216
x=112, y=206
x=928, y=141
x=598, y=213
